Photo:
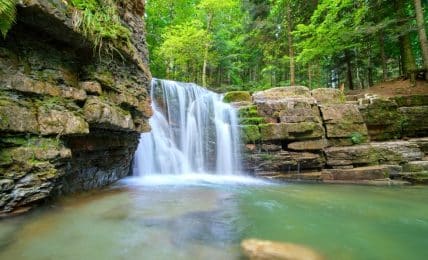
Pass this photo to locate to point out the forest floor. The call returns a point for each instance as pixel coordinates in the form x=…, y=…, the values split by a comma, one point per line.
x=394, y=88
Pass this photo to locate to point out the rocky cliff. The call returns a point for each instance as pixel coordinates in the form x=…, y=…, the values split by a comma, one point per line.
x=293, y=133
x=72, y=103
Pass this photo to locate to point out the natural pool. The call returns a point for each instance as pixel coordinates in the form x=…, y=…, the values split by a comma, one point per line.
x=205, y=217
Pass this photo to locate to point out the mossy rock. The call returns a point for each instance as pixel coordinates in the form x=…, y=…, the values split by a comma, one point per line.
x=237, y=96
x=250, y=133
x=248, y=111
x=412, y=101
x=252, y=121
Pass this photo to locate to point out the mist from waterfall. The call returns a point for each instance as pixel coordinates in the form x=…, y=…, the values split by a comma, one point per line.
x=193, y=131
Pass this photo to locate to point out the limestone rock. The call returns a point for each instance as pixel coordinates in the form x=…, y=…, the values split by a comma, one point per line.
x=276, y=94
x=415, y=121
x=17, y=116
x=361, y=173
x=289, y=110
x=24, y=84
x=383, y=119
x=417, y=166
x=411, y=101
x=343, y=120
x=373, y=154
x=61, y=122
x=91, y=87
x=103, y=115
x=291, y=131
x=328, y=96
x=268, y=250
x=310, y=145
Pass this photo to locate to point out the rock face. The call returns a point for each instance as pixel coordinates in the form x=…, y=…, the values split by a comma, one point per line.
x=70, y=118
x=295, y=134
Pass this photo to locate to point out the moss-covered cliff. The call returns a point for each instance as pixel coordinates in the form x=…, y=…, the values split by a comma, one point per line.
x=73, y=97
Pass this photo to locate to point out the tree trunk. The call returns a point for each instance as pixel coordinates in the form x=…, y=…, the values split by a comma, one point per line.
x=310, y=76
x=407, y=58
x=206, y=52
x=290, y=46
x=422, y=34
x=349, y=70
x=383, y=56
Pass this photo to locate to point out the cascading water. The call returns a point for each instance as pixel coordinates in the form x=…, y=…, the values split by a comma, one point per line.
x=193, y=131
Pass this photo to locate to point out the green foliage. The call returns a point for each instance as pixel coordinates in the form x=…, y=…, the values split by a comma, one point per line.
x=357, y=138
x=7, y=15
x=183, y=46
x=99, y=21
x=253, y=43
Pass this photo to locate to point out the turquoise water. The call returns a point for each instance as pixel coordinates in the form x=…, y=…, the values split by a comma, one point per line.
x=206, y=218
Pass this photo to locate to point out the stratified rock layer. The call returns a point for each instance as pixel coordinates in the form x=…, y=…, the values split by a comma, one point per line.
x=70, y=117
x=295, y=134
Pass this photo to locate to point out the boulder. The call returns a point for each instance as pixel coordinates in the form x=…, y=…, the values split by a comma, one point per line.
x=255, y=249
x=328, y=96
x=237, y=96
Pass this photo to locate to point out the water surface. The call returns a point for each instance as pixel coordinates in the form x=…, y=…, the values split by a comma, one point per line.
x=204, y=217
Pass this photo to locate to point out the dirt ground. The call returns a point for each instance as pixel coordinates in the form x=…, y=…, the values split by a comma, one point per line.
x=394, y=88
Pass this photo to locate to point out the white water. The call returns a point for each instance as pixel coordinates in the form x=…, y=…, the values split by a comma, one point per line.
x=193, y=132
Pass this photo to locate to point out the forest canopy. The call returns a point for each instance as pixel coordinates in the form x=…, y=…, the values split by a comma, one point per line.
x=257, y=44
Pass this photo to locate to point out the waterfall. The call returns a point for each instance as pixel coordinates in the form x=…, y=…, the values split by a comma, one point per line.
x=193, y=131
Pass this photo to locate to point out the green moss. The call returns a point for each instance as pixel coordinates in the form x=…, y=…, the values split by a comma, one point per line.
x=248, y=111
x=252, y=121
x=267, y=157
x=5, y=157
x=411, y=101
x=237, y=96
x=357, y=138
x=250, y=133
x=100, y=22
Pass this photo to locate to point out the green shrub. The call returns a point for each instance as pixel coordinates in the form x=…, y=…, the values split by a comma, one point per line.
x=7, y=15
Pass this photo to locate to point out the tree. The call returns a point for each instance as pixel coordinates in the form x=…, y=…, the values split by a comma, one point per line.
x=212, y=8
x=182, y=49
x=422, y=34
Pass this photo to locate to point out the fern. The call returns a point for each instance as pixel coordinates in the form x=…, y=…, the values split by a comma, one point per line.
x=7, y=15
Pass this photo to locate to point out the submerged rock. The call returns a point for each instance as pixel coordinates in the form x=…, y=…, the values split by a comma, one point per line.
x=255, y=249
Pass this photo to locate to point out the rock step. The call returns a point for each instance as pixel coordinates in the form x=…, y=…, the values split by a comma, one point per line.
x=384, y=182
x=415, y=178
x=416, y=166
x=379, y=172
